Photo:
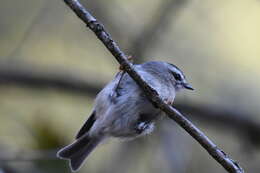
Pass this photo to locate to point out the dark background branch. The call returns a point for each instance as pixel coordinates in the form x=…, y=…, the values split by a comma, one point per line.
x=29, y=76
x=26, y=75
x=24, y=156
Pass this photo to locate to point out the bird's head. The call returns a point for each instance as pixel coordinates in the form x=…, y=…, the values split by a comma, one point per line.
x=179, y=79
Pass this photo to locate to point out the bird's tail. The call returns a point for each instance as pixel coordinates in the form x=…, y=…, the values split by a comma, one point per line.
x=78, y=151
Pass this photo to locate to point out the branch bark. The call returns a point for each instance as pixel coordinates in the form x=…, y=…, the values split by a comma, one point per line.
x=229, y=164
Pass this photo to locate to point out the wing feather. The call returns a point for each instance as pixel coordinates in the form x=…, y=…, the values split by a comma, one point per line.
x=87, y=125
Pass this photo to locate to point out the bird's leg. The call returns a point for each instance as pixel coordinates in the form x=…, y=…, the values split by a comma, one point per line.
x=143, y=123
x=118, y=83
x=142, y=126
x=121, y=73
x=115, y=92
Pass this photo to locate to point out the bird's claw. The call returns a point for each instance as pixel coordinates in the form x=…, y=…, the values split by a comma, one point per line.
x=168, y=101
x=142, y=126
x=129, y=58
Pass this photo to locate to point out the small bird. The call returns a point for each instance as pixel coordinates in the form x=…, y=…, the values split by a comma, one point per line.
x=122, y=110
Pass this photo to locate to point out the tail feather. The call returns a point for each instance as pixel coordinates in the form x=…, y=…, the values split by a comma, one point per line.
x=78, y=151
x=74, y=148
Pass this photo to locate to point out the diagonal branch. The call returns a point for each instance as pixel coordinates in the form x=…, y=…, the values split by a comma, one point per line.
x=152, y=95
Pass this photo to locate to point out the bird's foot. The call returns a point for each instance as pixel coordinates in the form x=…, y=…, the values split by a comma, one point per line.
x=129, y=58
x=143, y=126
x=168, y=101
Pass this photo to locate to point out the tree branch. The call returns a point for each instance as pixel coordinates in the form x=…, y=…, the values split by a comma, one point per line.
x=152, y=94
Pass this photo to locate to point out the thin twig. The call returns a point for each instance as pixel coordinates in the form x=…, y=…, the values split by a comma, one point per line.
x=152, y=95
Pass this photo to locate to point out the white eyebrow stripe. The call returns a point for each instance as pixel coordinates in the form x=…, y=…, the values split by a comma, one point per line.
x=176, y=70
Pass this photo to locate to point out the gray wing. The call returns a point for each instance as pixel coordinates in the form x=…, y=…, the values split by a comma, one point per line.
x=112, y=95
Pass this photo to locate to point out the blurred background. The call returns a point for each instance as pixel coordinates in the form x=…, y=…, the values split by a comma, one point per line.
x=52, y=66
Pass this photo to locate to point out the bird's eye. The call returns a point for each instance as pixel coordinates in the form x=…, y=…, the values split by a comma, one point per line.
x=177, y=76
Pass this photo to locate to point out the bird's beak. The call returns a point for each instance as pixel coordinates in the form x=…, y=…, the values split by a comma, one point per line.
x=187, y=86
